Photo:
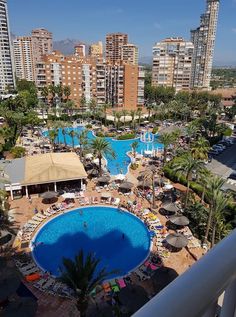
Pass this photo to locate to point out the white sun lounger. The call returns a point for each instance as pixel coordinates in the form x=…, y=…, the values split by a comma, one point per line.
x=33, y=270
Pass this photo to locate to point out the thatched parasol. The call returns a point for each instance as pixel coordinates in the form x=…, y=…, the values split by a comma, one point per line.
x=177, y=240
x=126, y=186
x=179, y=220
x=49, y=195
x=104, y=179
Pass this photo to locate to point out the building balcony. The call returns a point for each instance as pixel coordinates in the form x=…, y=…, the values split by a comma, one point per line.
x=196, y=292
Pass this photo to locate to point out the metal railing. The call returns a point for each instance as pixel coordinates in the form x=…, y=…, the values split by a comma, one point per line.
x=195, y=293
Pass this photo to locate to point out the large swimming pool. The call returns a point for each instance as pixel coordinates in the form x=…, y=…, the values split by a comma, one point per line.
x=118, y=238
x=121, y=163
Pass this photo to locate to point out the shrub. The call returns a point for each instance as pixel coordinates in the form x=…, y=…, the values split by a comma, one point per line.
x=100, y=134
x=127, y=136
x=155, y=130
x=18, y=151
x=89, y=126
x=133, y=166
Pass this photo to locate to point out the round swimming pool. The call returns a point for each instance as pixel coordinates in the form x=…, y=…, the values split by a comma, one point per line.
x=118, y=238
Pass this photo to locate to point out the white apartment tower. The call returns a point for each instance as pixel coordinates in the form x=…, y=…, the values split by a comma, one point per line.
x=7, y=80
x=24, y=58
x=203, y=39
x=172, y=59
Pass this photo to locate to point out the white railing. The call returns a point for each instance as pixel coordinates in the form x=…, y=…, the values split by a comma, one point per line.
x=195, y=293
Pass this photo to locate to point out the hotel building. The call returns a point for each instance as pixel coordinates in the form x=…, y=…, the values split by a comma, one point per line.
x=7, y=78
x=114, y=44
x=96, y=49
x=24, y=58
x=172, y=60
x=203, y=39
x=129, y=54
x=42, y=43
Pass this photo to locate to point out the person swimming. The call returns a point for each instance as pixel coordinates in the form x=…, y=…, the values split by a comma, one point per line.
x=85, y=225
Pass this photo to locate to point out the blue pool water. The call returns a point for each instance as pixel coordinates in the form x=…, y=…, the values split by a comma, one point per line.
x=121, y=163
x=65, y=236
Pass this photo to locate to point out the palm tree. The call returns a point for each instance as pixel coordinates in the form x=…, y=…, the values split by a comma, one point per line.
x=83, y=141
x=200, y=148
x=59, y=91
x=214, y=185
x=219, y=207
x=166, y=139
x=44, y=93
x=139, y=113
x=64, y=133
x=204, y=176
x=134, y=147
x=149, y=175
x=67, y=92
x=149, y=108
x=52, y=91
x=100, y=148
x=53, y=134
x=187, y=165
x=83, y=277
x=124, y=113
x=191, y=130
x=118, y=116
x=132, y=114
x=73, y=134
x=105, y=106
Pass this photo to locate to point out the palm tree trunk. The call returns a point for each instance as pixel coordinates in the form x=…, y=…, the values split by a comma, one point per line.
x=165, y=153
x=213, y=234
x=208, y=225
x=187, y=193
x=100, y=164
x=203, y=195
x=153, y=192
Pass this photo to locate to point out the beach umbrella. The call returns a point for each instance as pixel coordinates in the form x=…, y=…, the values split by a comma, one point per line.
x=103, y=179
x=126, y=185
x=94, y=172
x=177, y=240
x=24, y=307
x=49, y=195
x=169, y=208
x=9, y=283
x=133, y=297
x=105, y=195
x=179, y=220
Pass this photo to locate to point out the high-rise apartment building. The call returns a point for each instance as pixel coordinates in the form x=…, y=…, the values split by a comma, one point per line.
x=96, y=49
x=172, y=60
x=88, y=78
x=42, y=43
x=114, y=44
x=129, y=54
x=203, y=39
x=80, y=50
x=23, y=58
x=7, y=80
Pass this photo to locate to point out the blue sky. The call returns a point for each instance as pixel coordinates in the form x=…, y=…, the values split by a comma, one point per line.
x=146, y=22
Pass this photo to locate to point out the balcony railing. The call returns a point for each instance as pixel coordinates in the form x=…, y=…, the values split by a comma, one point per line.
x=195, y=293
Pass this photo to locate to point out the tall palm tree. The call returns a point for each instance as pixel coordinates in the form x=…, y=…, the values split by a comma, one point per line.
x=52, y=91
x=44, y=93
x=100, y=148
x=53, y=134
x=191, y=130
x=83, y=141
x=67, y=92
x=214, y=185
x=149, y=175
x=118, y=116
x=166, y=139
x=83, y=277
x=149, y=108
x=59, y=91
x=134, y=147
x=132, y=114
x=139, y=113
x=200, y=148
x=105, y=106
x=219, y=207
x=64, y=133
x=124, y=113
x=187, y=165
x=73, y=134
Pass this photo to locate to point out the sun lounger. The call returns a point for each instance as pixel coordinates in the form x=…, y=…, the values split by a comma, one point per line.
x=116, y=202
x=141, y=275
x=27, y=267
x=31, y=271
x=49, y=283
x=121, y=283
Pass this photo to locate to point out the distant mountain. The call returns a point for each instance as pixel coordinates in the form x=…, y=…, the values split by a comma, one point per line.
x=66, y=46
x=146, y=60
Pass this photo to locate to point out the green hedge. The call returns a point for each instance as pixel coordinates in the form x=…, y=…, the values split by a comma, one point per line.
x=127, y=136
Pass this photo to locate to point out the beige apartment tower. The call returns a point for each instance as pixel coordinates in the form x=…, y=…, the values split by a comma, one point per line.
x=24, y=58
x=42, y=43
x=172, y=60
x=129, y=54
x=203, y=39
x=114, y=44
x=96, y=49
